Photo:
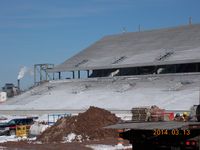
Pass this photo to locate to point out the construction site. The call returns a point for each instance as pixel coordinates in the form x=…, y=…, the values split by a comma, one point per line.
x=100, y=86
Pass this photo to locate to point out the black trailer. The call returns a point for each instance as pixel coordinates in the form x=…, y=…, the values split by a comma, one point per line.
x=171, y=135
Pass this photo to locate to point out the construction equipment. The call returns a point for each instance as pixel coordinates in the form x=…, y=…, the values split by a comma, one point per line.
x=22, y=130
x=159, y=134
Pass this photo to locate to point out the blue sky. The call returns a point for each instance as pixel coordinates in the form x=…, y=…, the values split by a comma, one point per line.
x=50, y=31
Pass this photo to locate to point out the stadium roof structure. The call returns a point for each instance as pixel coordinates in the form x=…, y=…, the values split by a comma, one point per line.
x=175, y=45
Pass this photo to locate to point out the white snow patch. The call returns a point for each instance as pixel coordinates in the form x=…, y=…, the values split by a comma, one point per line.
x=125, y=116
x=70, y=137
x=109, y=147
x=176, y=87
x=12, y=138
x=32, y=139
x=37, y=128
x=37, y=142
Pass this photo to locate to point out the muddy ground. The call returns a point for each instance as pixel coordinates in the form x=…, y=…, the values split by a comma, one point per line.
x=88, y=128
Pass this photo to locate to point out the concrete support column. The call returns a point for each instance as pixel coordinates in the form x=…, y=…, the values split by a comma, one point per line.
x=73, y=74
x=59, y=75
x=53, y=76
x=79, y=75
x=88, y=73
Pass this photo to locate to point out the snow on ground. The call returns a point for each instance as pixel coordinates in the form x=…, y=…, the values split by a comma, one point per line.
x=9, y=138
x=13, y=138
x=37, y=128
x=109, y=147
x=127, y=116
x=173, y=92
x=72, y=137
x=118, y=93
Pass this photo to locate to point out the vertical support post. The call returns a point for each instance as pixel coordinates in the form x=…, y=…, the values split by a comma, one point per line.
x=41, y=73
x=59, y=75
x=88, y=73
x=35, y=74
x=41, y=70
x=79, y=76
x=155, y=69
x=48, y=120
x=54, y=118
x=73, y=74
x=53, y=72
x=46, y=75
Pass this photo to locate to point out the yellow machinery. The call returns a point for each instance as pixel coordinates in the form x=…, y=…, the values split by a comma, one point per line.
x=22, y=131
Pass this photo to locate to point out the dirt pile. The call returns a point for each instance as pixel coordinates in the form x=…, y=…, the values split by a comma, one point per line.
x=86, y=126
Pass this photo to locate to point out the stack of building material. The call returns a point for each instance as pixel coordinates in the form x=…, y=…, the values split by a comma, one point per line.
x=140, y=113
x=152, y=113
x=157, y=114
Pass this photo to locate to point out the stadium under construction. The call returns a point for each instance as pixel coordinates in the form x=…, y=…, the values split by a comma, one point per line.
x=157, y=67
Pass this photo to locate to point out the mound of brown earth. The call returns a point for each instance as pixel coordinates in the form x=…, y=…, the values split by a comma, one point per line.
x=86, y=126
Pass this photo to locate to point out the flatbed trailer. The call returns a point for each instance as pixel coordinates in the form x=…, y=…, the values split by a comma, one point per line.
x=169, y=135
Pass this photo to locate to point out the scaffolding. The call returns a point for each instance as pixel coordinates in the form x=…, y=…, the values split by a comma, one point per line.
x=40, y=73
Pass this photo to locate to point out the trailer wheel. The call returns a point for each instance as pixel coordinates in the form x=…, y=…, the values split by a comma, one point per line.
x=12, y=132
x=198, y=113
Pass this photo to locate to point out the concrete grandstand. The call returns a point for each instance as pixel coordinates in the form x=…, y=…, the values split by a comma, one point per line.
x=157, y=67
